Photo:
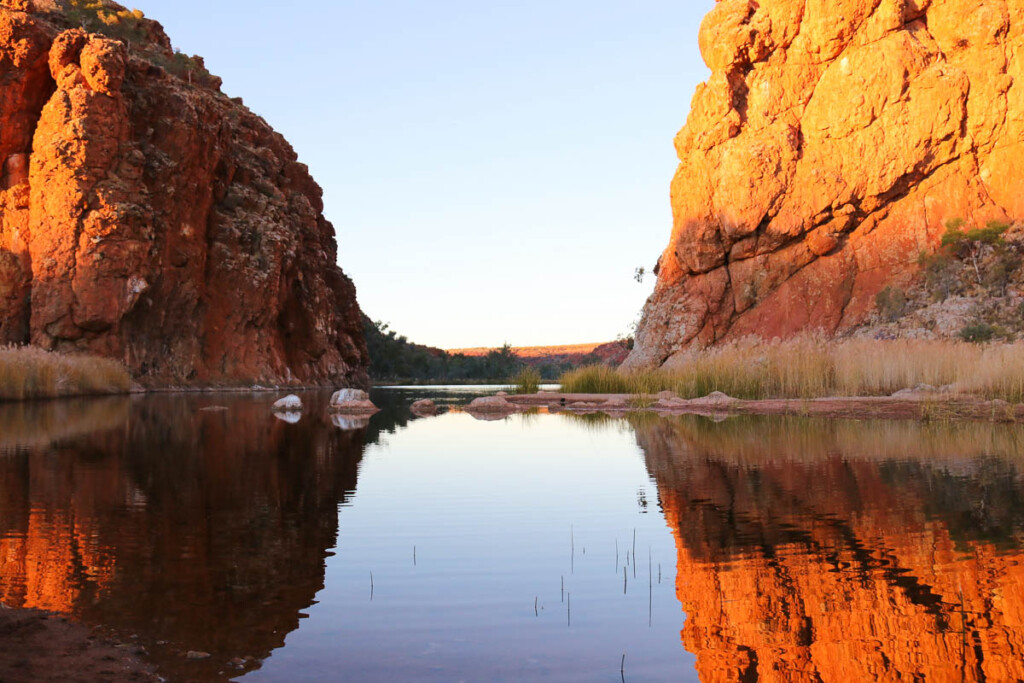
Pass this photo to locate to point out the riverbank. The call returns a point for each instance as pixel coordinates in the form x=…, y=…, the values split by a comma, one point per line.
x=29, y=373
x=817, y=368
x=41, y=646
x=905, y=405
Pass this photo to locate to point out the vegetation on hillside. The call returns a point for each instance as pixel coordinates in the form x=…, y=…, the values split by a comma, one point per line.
x=28, y=372
x=811, y=367
x=975, y=273
x=393, y=358
x=129, y=26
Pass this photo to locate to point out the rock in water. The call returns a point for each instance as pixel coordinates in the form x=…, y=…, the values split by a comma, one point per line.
x=288, y=404
x=493, y=405
x=828, y=149
x=352, y=402
x=147, y=217
x=423, y=407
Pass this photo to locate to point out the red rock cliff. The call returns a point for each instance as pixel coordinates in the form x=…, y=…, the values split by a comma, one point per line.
x=827, y=150
x=147, y=217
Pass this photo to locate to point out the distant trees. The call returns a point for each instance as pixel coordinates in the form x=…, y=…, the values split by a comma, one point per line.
x=394, y=358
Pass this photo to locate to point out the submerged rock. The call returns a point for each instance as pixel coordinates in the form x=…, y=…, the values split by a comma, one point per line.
x=352, y=401
x=492, y=404
x=423, y=407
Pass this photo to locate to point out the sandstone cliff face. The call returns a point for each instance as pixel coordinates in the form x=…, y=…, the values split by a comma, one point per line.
x=827, y=150
x=147, y=217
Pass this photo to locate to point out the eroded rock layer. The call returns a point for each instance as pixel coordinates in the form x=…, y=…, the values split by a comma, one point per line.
x=828, y=149
x=146, y=216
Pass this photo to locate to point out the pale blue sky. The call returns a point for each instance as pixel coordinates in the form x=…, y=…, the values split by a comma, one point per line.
x=495, y=170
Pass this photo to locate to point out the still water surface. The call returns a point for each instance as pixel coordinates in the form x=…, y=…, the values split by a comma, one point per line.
x=537, y=547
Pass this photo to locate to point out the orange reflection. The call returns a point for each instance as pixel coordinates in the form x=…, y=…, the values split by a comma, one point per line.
x=806, y=552
x=195, y=530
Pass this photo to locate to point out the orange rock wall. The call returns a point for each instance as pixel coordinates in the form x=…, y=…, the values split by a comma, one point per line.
x=830, y=145
x=148, y=217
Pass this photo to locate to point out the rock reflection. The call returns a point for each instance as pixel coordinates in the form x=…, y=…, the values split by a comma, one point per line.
x=845, y=551
x=195, y=530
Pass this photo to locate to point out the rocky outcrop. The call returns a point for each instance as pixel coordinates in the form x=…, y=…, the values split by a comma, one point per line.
x=146, y=216
x=828, y=149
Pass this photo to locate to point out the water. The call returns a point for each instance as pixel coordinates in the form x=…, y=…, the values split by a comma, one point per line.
x=765, y=548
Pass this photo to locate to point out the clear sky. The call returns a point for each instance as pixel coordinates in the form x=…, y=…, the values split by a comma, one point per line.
x=495, y=170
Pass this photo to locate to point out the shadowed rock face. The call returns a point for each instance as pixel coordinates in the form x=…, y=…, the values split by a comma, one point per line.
x=827, y=150
x=147, y=217
x=842, y=551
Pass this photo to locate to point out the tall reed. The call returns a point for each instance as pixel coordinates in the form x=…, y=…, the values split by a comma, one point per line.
x=29, y=372
x=812, y=367
x=527, y=381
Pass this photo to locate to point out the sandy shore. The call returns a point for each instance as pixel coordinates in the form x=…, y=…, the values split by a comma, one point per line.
x=906, y=406
x=40, y=646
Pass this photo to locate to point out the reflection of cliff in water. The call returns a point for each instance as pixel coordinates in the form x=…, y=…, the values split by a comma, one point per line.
x=845, y=551
x=205, y=529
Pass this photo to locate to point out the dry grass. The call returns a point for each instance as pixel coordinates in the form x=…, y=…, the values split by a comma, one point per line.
x=811, y=367
x=27, y=372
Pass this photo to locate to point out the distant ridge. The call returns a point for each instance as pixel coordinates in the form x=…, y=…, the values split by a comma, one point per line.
x=533, y=351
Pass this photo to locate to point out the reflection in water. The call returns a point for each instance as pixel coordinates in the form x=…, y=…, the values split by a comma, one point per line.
x=205, y=529
x=845, y=551
x=806, y=550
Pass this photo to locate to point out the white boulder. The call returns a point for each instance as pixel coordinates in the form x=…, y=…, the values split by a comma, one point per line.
x=288, y=404
x=352, y=401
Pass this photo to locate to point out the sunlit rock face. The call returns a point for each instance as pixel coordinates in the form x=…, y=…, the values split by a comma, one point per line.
x=189, y=529
x=844, y=552
x=146, y=216
x=825, y=153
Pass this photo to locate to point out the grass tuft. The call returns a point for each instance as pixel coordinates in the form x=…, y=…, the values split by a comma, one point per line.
x=527, y=381
x=812, y=367
x=29, y=372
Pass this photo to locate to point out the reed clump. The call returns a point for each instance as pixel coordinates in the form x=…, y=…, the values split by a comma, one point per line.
x=527, y=381
x=29, y=372
x=812, y=367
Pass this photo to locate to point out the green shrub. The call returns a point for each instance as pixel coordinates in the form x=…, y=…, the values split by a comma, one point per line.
x=1000, y=271
x=891, y=303
x=969, y=244
x=978, y=333
x=527, y=381
x=93, y=16
x=940, y=274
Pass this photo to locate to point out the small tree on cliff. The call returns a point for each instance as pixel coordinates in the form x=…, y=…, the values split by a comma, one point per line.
x=970, y=245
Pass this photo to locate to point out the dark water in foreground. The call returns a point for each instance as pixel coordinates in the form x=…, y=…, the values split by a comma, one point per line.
x=765, y=549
